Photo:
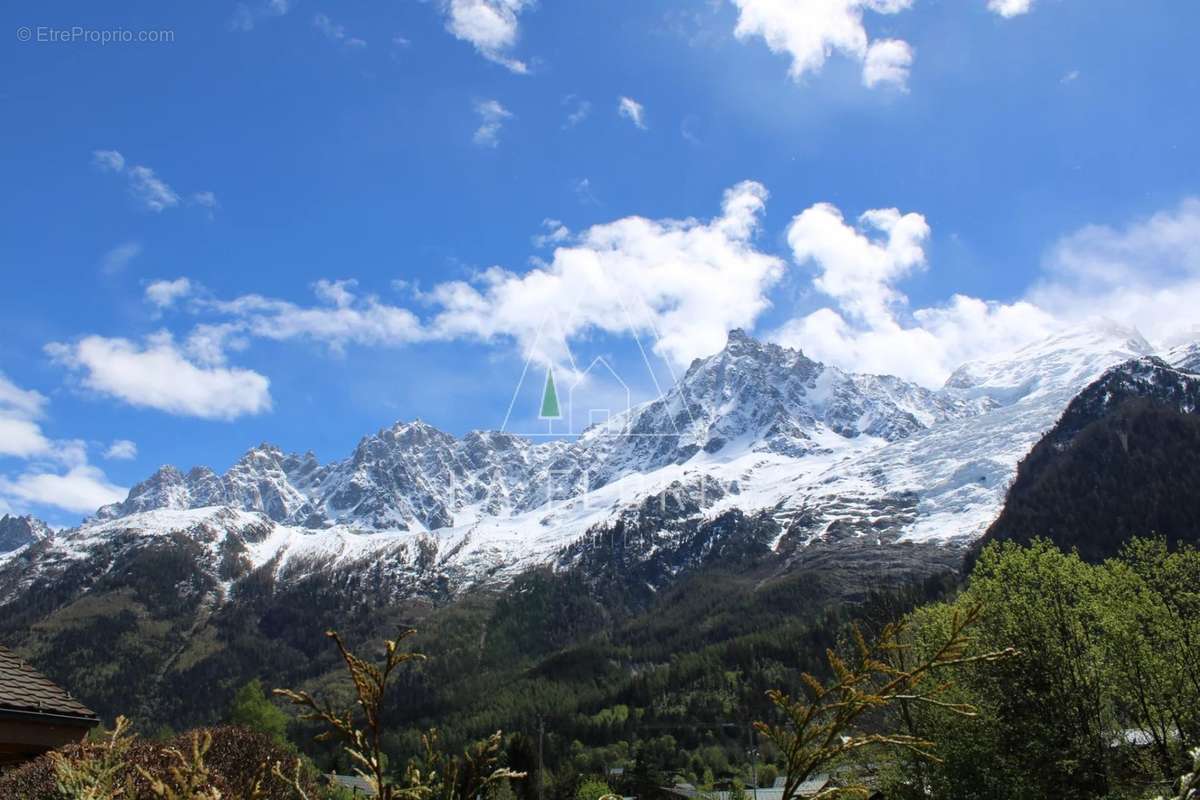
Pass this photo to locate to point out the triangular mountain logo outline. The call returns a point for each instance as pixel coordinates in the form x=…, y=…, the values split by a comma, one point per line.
x=550, y=408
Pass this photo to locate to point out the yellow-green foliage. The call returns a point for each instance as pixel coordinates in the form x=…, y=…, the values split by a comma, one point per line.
x=827, y=722
x=1105, y=650
x=437, y=776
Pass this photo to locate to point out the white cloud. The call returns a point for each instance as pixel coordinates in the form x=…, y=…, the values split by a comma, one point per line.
x=337, y=33
x=871, y=329
x=491, y=119
x=121, y=450
x=857, y=270
x=82, y=488
x=164, y=293
x=20, y=434
x=888, y=61
x=633, y=111
x=927, y=348
x=491, y=26
x=687, y=281
x=810, y=30
x=158, y=375
x=556, y=233
x=1145, y=274
x=1010, y=8
x=117, y=259
x=246, y=16
x=345, y=319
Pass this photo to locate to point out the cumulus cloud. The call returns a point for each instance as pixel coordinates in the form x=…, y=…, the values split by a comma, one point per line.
x=1145, y=274
x=1010, y=8
x=681, y=284
x=871, y=329
x=163, y=294
x=157, y=374
x=859, y=265
x=492, y=116
x=633, y=111
x=491, y=26
x=20, y=410
x=336, y=33
x=808, y=31
x=58, y=473
x=888, y=61
x=684, y=282
x=82, y=488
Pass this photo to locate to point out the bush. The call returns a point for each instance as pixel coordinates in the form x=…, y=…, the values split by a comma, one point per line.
x=233, y=762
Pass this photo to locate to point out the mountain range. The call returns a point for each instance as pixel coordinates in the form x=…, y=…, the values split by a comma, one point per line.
x=763, y=489
x=755, y=428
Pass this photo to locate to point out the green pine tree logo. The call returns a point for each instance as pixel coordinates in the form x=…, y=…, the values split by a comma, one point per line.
x=550, y=399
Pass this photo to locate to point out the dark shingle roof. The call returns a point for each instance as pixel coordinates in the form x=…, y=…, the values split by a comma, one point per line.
x=23, y=688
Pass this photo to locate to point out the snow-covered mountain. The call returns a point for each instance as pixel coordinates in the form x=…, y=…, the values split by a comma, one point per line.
x=750, y=397
x=828, y=455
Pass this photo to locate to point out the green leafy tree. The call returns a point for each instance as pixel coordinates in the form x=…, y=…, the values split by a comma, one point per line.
x=592, y=789
x=827, y=723
x=253, y=709
x=1103, y=649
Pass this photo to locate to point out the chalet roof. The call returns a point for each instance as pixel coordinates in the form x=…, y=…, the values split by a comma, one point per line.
x=25, y=690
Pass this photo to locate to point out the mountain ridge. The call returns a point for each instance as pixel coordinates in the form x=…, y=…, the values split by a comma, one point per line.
x=757, y=428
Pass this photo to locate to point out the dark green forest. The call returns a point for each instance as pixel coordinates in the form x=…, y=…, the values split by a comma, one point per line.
x=1133, y=471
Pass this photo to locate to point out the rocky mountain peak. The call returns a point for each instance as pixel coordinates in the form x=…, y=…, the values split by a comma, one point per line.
x=1185, y=357
x=1149, y=378
x=17, y=532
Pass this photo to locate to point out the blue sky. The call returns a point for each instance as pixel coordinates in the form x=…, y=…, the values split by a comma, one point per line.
x=279, y=225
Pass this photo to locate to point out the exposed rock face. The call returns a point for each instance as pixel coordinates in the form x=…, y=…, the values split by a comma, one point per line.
x=750, y=397
x=18, y=532
x=757, y=450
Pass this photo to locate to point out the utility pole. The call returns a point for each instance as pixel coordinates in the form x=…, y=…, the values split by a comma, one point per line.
x=541, y=767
